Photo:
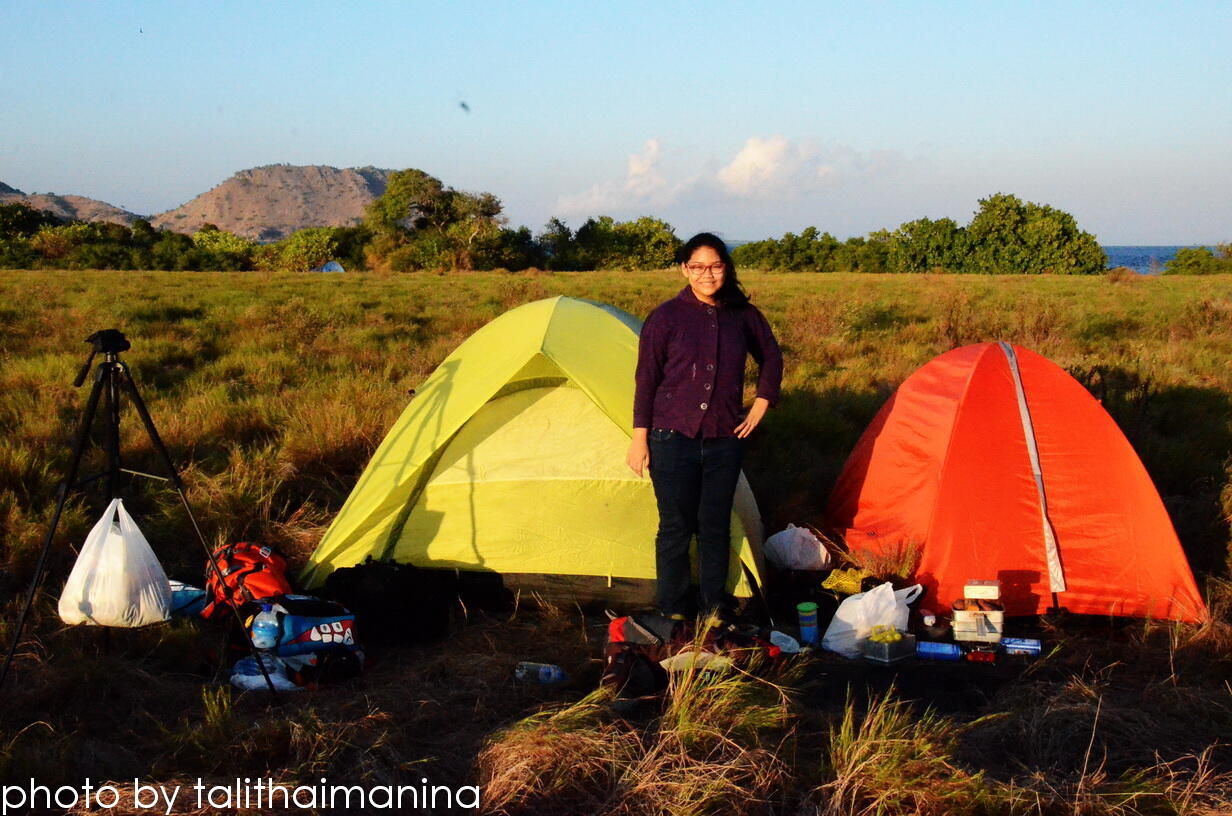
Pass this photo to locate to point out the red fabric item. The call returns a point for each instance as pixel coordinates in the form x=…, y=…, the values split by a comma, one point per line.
x=250, y=572
x=946, y=463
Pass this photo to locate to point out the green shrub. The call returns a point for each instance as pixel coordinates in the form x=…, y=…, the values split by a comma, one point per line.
x=1197, y=261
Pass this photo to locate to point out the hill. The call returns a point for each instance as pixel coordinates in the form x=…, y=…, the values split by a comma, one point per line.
x=69, y=207
x=270, y=202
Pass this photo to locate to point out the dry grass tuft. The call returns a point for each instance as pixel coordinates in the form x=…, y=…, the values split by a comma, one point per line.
x=718, y=746
x=564, y=760
x=1122, y=274
x=891, y=562
x=888, y=759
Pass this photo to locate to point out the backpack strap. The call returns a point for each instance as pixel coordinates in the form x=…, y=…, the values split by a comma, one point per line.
x=225, y=591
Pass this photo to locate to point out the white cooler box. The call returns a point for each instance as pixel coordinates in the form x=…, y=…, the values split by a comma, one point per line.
x=978, y=625
x=973, y=624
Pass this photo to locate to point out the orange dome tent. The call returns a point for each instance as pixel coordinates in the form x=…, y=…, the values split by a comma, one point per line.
x=1000, y=465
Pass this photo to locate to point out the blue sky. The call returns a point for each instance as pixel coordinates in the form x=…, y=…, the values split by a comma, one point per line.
x=747, y=119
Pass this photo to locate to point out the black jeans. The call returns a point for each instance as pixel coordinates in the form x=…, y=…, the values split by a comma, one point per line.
x=694, y=483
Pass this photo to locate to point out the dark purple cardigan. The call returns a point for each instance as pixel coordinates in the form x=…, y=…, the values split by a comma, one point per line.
x=690, y=366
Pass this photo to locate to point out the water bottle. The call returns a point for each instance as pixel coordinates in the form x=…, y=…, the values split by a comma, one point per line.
x=544, y=673
x=786, y=643
x=265, y=628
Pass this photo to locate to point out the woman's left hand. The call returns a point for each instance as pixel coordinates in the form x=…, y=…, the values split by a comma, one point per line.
x=760, y=406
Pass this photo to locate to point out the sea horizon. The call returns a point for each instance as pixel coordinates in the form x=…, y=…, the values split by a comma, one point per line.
x=1145, y=259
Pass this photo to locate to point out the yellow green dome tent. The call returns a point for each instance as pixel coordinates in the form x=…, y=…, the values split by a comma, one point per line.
x=511, y=459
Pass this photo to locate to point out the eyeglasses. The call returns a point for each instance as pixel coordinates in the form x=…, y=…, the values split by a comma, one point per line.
x=713, y=270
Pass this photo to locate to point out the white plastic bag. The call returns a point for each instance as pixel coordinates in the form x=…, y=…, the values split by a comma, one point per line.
x=117, y=580
x=796, y=548
x=246, y=674
x=858, y=614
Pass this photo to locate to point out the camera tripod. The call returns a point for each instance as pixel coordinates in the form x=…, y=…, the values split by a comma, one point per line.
x=113, y=379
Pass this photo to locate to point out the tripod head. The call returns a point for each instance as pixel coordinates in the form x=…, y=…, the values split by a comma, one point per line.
x=110, y=342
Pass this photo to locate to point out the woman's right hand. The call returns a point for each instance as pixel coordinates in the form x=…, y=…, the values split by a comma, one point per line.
x=638, y=458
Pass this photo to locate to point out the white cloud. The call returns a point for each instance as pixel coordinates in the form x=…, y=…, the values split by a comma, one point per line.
x=643, y=185
x=644, y=175
x=770, y=167
x=773, y=166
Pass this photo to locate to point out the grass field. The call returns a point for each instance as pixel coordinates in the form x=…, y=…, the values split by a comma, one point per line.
x=272, y=391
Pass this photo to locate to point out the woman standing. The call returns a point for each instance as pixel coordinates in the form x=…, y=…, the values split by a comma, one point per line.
x=687, y=423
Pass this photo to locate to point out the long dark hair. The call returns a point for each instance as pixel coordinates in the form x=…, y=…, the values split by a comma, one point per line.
x=731, y=293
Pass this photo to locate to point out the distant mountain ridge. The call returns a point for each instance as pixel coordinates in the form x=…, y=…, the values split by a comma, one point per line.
x=262, y=203
x=70, y=207
x=271, y=202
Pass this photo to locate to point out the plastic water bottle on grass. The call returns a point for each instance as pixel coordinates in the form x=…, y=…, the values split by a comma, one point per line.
x=543, y=673
x=266, y=628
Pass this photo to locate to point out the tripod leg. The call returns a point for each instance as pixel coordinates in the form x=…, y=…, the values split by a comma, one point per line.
x=178, y=483
x=70, y=479
x=112, y=402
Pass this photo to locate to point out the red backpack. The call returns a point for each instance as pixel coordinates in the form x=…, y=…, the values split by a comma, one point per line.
x=246, y=572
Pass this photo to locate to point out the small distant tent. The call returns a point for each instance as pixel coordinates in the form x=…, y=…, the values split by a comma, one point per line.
x=999, y=465
x=511, y=459
x=333, y=266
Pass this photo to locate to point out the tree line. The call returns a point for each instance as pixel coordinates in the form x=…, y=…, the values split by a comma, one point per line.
x=419, y=223
x=1006, y=236
x=34, y=239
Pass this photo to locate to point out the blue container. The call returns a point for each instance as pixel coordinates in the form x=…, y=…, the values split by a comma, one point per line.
x=1026, y=646
x=807, y=613
x=929, y=650
x=311, y=625
x=186, y=601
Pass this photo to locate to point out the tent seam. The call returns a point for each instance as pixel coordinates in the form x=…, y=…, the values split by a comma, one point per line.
x=584, y=386
x=1052, y=550
x=547, y=328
